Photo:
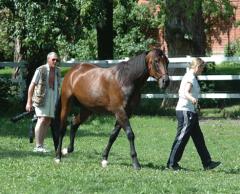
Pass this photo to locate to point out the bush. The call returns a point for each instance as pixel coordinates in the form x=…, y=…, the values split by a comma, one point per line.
x=8, y=90
x=233, y=49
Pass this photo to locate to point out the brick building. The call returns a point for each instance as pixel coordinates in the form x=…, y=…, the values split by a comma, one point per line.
x=226, y=38
x=233, y=34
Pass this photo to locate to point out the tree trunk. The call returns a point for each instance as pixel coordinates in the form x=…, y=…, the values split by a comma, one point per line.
x=198, y=34
x=105, y=33
x=184, y=36
x=17, y=56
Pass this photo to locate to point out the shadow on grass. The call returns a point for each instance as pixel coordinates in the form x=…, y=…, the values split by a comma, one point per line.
x=85, y=133
x=147, y=166
x=23, y=154
x=153, y=166
x=21, y=128
x=232, y=171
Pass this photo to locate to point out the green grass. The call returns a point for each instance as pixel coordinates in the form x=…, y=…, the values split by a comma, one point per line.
x=225, y=68
x=22, y=171
x=6, y=72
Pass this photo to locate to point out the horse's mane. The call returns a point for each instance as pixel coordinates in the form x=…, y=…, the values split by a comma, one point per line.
x=132, y=69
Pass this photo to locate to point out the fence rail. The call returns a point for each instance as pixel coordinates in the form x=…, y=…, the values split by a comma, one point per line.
x=174, y=63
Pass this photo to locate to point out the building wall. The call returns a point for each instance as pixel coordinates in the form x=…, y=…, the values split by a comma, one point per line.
x=234, y=33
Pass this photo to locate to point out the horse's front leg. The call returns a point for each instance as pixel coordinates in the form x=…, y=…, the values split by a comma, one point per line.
x=124, y=121
x=62, y=132
x=62, y=125
x=133, y=153
x=111, y=140
x=73, y=130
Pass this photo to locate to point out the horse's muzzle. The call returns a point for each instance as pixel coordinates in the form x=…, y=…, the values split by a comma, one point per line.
x=164, y=81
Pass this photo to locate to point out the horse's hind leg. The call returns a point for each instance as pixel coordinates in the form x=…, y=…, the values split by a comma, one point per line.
x=54, y=134
x=111, y=140
x=75, y=123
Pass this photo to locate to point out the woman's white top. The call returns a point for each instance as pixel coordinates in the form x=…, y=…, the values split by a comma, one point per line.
x=183, y=103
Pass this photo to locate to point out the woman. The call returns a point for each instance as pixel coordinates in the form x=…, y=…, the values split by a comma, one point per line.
x=188, y=123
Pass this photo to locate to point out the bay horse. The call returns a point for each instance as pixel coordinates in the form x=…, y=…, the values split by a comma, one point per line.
x=115, y=89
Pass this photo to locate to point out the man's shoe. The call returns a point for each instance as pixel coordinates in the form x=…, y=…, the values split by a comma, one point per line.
x=40, y=149
x=212, y=165
x=174, y=167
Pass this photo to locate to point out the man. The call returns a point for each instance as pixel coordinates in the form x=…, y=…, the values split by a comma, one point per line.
x=43, y=93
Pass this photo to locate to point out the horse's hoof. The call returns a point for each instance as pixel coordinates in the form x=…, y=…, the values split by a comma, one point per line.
x=64, y=151
x=136, y=166
x=104, y=163
x=57, y=160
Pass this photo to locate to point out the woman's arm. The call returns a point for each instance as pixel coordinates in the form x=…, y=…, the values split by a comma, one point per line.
x=187, y=93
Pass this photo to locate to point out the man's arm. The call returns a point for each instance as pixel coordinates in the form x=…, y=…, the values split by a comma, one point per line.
x=30, y=94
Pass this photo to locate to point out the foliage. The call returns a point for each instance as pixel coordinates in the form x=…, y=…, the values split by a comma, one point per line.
x=208, y=86
x=218, y=14
x=8, y=90
x=225, y=68
x=6, y=44
x=40, y=31
x=86, y=47
x=134, y=24
x=23, y=171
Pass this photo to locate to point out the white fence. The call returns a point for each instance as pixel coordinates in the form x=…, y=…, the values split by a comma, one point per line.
x=174, y=63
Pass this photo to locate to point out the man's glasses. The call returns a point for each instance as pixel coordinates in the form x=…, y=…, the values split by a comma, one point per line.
x=55, y=60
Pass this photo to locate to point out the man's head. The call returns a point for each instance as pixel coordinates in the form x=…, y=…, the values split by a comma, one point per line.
x=52, y=59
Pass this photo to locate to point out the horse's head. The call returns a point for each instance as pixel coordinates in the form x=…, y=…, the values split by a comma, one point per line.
x=157, y=64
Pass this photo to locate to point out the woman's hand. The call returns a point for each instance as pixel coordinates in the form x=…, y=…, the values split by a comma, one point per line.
x=194, y=101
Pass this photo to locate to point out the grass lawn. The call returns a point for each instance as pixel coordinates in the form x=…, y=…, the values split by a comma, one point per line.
x=25, y=172
x=226, y=68
x=22, y=171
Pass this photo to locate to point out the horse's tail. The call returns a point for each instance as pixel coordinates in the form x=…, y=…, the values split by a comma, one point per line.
x=56, y=123
x=58, y=109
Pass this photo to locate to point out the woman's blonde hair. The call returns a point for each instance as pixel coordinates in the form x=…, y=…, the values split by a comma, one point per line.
x=196, y=62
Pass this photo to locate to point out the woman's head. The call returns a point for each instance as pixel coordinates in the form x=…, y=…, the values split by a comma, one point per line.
x=197, y=65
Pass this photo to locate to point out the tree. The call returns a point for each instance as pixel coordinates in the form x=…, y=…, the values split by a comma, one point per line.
x=35, y=29
x=190, y=25
x=6, y=44
x=134, y=27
